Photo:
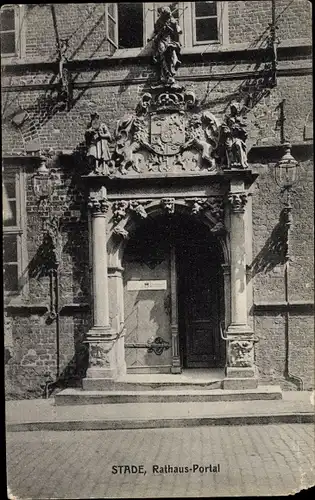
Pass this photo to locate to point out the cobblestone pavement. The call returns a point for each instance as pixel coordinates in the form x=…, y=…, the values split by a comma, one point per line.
x=254, y=460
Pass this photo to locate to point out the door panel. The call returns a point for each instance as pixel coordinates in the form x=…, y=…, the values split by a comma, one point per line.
x=146, y=316
x=200, y=287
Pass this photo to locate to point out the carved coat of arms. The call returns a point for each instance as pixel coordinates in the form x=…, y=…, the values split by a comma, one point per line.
x=167, y=133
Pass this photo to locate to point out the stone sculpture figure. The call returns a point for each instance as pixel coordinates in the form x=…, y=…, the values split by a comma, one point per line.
x=97, y=137
x=166, y=45
x=234, y=137
x=126, y=144
x=130, y=136
x=204, y=135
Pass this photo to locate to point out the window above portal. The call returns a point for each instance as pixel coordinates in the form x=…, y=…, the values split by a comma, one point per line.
x=130, y=25
x=205, y=22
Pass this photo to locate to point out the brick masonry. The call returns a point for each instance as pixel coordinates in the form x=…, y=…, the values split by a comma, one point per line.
x=32, y=338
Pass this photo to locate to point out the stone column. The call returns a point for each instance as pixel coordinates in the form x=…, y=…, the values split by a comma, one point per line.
x=238, y=261
x=240, y=370
x=101, y=338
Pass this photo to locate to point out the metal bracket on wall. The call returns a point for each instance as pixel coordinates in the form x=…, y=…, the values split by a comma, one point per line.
x=157, y=345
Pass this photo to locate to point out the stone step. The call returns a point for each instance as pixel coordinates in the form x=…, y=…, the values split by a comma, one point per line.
x=85, y=397
x=95, y=384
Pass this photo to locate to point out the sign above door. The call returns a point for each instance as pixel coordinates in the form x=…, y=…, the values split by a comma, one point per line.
x=146, y=285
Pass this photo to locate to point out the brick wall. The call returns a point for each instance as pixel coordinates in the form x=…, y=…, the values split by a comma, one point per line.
x=83, y=25
x=249, y=20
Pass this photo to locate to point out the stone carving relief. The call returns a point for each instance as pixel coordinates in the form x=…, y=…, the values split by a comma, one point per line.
x=51, y=226
x=120, y=209
x=168, y=134
x=215, y=207
x=241, y=353
x=99, y=355
x=131, y=134
x=168, y=205
x=203, y=134
x=237, y=202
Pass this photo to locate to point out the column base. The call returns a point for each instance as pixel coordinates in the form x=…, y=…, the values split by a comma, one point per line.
x=102, y=343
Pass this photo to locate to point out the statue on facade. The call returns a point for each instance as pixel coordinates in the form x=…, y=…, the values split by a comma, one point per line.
x=97, y=137
x=234, y=135
x=166, y=45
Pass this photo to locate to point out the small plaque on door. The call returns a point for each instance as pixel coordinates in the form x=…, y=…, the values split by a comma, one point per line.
x=146, y=285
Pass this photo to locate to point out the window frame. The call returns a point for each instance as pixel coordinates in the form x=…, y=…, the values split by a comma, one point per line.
x=18, y=230
x=113, y=43
x=18, y=30
x=144, y=38
x=194, y=25
x=187, y=24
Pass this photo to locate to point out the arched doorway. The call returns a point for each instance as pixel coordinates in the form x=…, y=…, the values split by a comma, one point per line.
x=173, y=292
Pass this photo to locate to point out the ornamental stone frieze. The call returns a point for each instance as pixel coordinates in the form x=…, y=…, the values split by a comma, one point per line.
x=237, y=202
x=122, y=207
x=211, y=206
x=215, y=208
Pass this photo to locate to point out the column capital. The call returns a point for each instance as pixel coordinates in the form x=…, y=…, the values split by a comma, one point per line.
x=237, y=202
x=98, y=203
x=98, y=206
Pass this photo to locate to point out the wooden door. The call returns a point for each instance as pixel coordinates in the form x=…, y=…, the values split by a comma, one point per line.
x=200, y=287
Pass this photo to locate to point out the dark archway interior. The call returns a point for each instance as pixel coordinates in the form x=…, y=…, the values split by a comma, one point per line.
x=153, y=236
x=199, y=281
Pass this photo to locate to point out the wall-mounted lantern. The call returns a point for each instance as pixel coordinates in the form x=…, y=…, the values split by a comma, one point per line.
x=286, y=170
x=286, y=176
